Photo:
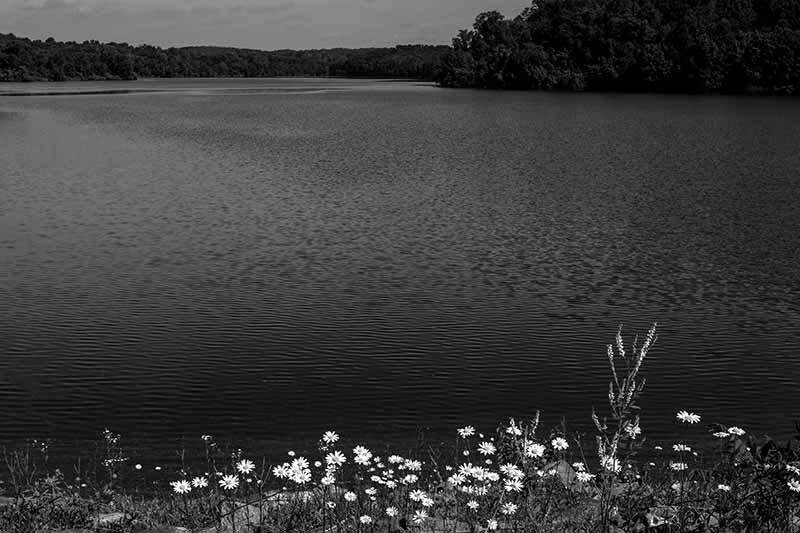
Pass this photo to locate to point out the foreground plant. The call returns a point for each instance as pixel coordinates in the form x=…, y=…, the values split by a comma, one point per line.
x=516, y=479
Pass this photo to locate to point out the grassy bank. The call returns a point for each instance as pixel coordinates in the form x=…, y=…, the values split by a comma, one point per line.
x=519, y=478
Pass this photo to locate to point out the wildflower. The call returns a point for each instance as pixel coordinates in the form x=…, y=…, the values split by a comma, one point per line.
x=414, y=466
x=331, y=505
x=157, y=468
x=138, y=466
x=513, y=485
x=733, y=430
x=281, y=471
x=336, y=458
x=721, y=434
x=512, y=471
x=681, y=448
x=466, y=431
x=584, y=477
x=290, y=453
x=350, y=496
x=724, y=488
x=580, y=467
x=794, y=485
x=329, y=437
x=473, y=505
x=633, y=430
x=610, y=463
x=491, y=524
x=245, y=466
x=465, y=453
x=317, y=464
x=687, y=417
x=301, y=476
x=513, y=430
x=552, y=472
x=229, y=482
x=676, y=486
x=301, y=463
x=486, y=448
x=419, y=517
x=534, y=450
x=658, y=448
x=362, y=455
x=394, y=459
x=417, y=495
x=365, y=519
x=409, y=479
x=370, y=491
x=391, y=511
x=678, y=466
x=793, y=469
x=328, y=480
x=457, y=479
x=199, y=482
x=181, y=487
x=560, y=443
x=509, y=508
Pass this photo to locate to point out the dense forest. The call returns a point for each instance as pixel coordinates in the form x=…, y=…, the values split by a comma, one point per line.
x=633, y=45
x=23, y=59
x=608, y=45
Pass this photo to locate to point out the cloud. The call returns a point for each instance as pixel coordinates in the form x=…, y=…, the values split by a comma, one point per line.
x=83, y=6
x=266, y=24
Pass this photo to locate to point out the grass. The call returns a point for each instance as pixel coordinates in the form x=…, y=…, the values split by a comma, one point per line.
x=517, y=479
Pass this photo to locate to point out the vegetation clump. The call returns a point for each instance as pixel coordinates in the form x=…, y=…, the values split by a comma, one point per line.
x=23, y=59
x=518, y=479
x=687, y=46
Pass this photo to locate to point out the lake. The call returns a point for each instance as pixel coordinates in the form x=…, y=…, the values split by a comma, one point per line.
x=265, y=260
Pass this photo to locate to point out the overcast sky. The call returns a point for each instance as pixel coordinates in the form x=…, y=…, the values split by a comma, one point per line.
x=264, y=24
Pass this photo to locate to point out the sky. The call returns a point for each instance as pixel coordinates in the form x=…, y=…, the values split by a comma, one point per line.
x=261, y=24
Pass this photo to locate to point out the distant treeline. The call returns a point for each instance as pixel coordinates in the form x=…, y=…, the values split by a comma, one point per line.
x=633, y=45
x=24, y=59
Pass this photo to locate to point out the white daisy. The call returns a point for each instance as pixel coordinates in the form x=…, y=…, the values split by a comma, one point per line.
x=229, y=482
x=466, y=431
x=487, y=448
x=245, y=466
x=330, y=437
x=687, y=417
x=181, y=487
x=534, y=450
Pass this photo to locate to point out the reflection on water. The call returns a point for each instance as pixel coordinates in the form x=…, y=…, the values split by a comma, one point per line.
x=269, y=259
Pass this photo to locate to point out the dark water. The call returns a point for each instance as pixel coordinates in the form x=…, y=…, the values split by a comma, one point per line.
x=265, y=260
